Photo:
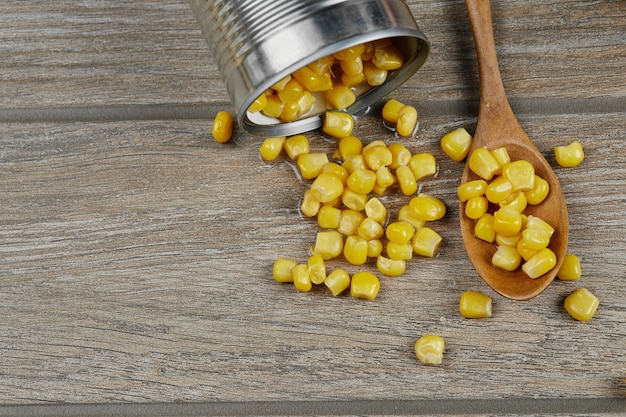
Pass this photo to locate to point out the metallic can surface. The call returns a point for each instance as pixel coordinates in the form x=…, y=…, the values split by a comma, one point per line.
x=255, y=43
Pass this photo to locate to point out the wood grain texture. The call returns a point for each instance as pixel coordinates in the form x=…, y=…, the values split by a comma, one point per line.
x=137, y=254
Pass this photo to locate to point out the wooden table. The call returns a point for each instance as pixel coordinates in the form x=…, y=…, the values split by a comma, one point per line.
x=137, y=253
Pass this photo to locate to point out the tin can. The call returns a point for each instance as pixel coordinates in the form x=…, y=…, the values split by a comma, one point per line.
x=256, y=43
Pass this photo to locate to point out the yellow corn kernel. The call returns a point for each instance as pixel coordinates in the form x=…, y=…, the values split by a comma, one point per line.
x=307, y=77
x=316, y=267
x=475, y=305
x=400, y=155
x=501, y=155
x=352, y=80
x=362, y=181
x=368, y=51
x=322, y=65
x=222, y=126
x=338, y=170
x=301, y=278
x=525, y=252
x=475, y=207
x=536, y=239
x=364, y=285
x=506, y=240
x=258, y=104
x=291, y=111
x=282, y=270
x=542, y=262
x=338, y=124
x=570, y=269
x=399, y=232
x=379, y=190
x=406, y=180
x=352, y=66
x=280, y=85
x=483, y=164
x=350, y=221
x=569, y=155
x=310, y=205
x=355, y=250
x=388, y=58
x=516, y=201
x=349, y=146
x=507, y=221
x=373, y=75
x=337, y=281
x=384, y=177
x=271, y=148
x=423, y=165
x=340, y=97
x=291, y=91
x=483, y=229
x=407, y=121
x=376, y=210
x=310, y=165
x=405, y=214
x=427, y=207
x=429, y=349
x=581, y=304
x=306, y=103
x=457, y=144
x=273, y=107
x=327, y=187
x=539, y=192
x=377, y=156
x=353, y=163
x=328, y=244
x=374, y=248
x=351, y=52
x=499, y=190
x=399, y=251
x=535, y=222
x=335, y=202
x=521, y=174
x=426, y=242
x=373, y=144
x=352, y=200
x=370, y=229
x=471, y=189
x=507, y=258
x=296, y=146
x=326, y=82
x=390, y=267
x=328, y=217
x=391, y=109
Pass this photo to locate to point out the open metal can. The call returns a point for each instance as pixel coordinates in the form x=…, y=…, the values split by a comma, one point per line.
x=256, y=43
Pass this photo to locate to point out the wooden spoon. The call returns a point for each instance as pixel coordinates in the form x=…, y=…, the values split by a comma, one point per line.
x=497, y=126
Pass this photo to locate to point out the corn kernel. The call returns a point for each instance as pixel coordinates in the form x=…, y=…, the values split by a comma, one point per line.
x=370, y=229
x=296, y=145
x=517, y=201
x=222, y=126
x=399, y=232
x=316, y=268
x=426, y=242
x=506, y=240
x=352, y=66
x=377, y=156
x=291, y=111
x=310, y=205
x=352, y=200
x=271, y=148
x=364, y=285
x=536, y=239
x=282, y=270
x=391, y=109
x=301, y=278
x=349, y=146
x=273, y=107
x=362, y=181
x=328, y=244
x=457, y=144
x=350, y=221
x=507, y=221
x=384, y=177
x=337, y=281
x=310, y=165
x=535, y=222
x=542, y=262
x=405, y=214
x=350, y=52
x=376, y=210
x=525, y=252
x=521, y=174
x=483, y=164
x=429, y=349
x=400, y=155
x=353, y=163
x=399, y=251
x=355, y=250
x=306, y=103
x=340, y=97
x=471, y=189
x=501, y=155
x=407, y=121
x=374, y=248
x=475, y=207
x=427, y=207
x=328, y=217
x=581, y=304
x=338, y=124
x=539, y=192
x=507, y=258
x=499, y=190
x=569, y=155
x=570, y=269
x=327, y=187
x=337, y=170
x=280, y=85
x=475, y=305
x=483, y=229
x=406, y=180
x=307, y=77
x=423, y=165
x=373, y=75
x=390, y=267
x=352, y=80
x=258, y=104
x=388, y=58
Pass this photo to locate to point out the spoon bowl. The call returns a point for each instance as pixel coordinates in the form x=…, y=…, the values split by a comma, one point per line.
x=498, y=127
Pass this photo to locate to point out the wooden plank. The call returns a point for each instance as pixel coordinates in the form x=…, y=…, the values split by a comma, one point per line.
x=137, y=268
